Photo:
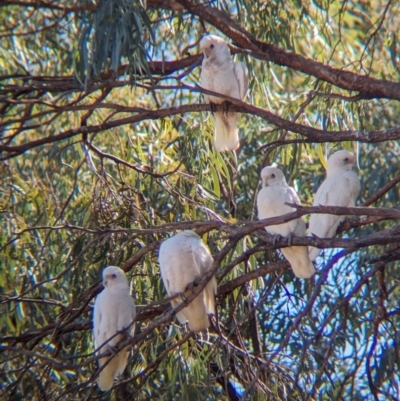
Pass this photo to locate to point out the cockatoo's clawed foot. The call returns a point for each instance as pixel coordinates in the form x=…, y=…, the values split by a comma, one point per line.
x=183, y=297
x=190, y=287
x=124, y=332
x=113, y=349
x=276, y=238
x=199, y=336
x=213, y=107
x=213, y=321
x=225, y=107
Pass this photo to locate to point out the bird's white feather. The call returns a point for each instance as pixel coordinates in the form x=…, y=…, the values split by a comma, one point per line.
x=219, y=73
x=113, y=311
x=341, y=188
x=271, y=201
x=226, y=132
x=240, y=71
x=184, y=258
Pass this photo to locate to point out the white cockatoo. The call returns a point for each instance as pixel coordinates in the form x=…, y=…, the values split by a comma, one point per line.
x=183, y=259
x=219, y=73
x=271, y=203
x=340, y=188
x=114, y=311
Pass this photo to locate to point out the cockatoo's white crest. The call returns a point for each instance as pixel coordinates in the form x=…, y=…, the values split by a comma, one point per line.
x=271, y=175
x=215, y=47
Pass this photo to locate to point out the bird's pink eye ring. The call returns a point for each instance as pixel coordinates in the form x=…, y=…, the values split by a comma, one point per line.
x=346, y=159
x=211, y=46
x=114, y=276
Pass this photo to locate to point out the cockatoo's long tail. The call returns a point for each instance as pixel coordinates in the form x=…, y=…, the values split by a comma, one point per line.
x=196, y=313
x=210, y=291
x=226, y=132
x=114, y=368
x=299, y=260
x=324, y=226
x=313, y=252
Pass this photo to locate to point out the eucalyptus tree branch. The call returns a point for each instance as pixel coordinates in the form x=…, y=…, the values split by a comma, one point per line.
x=391, y=235
x=305, y=311
x=165, y=318
x=13, y=151
x=145, y=373
x=358, y=221
x=244, y=257
x=313, y=135
x=51, y=5
x=382, y=191
x=240, y=228
x=354, y=98
x=389, y=213
x=367, y=87
x=237, y=282
x=243, y=228
x=224, y=382
x=144, y=169
x=108, y=79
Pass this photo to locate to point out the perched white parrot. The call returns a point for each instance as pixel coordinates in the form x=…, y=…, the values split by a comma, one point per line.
x=183, y=259
x=341, y=188
x=114, y=311
x=271, y=203
x=219, y=73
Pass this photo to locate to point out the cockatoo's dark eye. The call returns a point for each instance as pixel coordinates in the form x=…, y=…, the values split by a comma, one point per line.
x=114, y=276
x=346, y=159
x=272, y=175
x=211, y=46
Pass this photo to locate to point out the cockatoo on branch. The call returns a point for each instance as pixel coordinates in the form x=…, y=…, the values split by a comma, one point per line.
x=183, y=259
x=341, y=188
x=271, y=203
x=219, y=73
x=114, y=311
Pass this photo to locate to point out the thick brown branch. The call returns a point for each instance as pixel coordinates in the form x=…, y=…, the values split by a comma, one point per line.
x=313, y=135
x=241, y=228
x=107, y=79
x=51, y=5
x=368, y=87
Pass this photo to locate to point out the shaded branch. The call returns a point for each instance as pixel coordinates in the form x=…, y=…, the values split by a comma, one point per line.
x=313, y=135
x=50, y=5
x=386, y=188
x=109, y=79
x=367, y=87
x=117, y=160
x=240, y=227
x=391, y=235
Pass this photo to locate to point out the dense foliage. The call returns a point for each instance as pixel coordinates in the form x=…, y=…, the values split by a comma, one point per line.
x=106, y=149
